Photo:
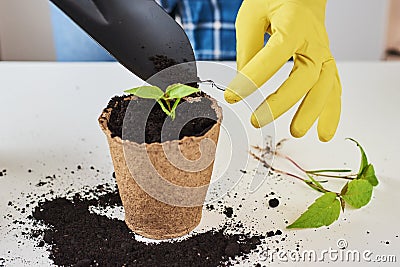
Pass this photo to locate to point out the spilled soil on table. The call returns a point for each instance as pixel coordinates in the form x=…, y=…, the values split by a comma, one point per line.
x=70, y=227
x=78, y=237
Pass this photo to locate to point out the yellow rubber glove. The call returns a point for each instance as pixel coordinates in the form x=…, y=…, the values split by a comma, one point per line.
x=297, y=28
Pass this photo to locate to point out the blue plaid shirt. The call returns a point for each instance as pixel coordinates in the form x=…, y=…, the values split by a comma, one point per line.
x=209, y=25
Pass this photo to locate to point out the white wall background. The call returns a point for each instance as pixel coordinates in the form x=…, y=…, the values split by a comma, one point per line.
x=25, y=30
x=357, y=29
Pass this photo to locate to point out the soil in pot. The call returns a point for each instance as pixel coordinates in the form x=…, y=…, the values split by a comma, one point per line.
x=163, y=167
x=205, y=119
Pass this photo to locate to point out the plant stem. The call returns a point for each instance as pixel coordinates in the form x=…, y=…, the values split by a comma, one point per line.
x=267, y=165
x=329, y=170
x=314, y=185
x=163, y=107
x=348, y=177
x=168, y=104
x=291, y=160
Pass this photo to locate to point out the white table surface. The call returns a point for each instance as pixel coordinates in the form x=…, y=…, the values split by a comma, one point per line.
x=49, y=117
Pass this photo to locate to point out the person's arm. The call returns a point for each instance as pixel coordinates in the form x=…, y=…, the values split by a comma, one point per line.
x=297, y=29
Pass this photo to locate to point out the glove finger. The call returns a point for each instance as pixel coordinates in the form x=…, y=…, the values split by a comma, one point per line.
x=315, y=100
x=304, y=75
x=260, y=68
x=329, y=118
x=251, y=24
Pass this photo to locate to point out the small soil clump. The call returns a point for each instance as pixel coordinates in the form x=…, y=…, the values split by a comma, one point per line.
x=228, y=212
x=273, y=202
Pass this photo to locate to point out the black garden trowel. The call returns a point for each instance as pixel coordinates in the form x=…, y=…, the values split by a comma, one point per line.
x=139, y=34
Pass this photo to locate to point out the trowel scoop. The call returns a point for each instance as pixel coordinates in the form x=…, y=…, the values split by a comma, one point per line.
x=138, y=33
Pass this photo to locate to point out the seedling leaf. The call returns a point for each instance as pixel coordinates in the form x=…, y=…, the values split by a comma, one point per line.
x=151, y=92
x=358, y=193
x=179, y=90
x=364, y=160
x=324, y=211
x=173, y=92
x=369, y=175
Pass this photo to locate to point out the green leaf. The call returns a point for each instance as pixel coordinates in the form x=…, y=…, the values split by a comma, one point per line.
x=179, y=90
x=369, y=175
x=324, y=211
x=364, y=160
x=358, y=193
x=151, y=92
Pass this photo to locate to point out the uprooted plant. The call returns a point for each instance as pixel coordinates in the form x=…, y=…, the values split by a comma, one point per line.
x=357, y=192
x=168, y=100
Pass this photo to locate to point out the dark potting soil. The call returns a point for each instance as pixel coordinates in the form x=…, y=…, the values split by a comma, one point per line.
x=162, y=62
x=228, y=212
x=145, y=121
x=273, y=202
x=77, y=237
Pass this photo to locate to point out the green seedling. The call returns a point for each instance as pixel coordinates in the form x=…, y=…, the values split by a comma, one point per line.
x=168, y=100
x=357, y=192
